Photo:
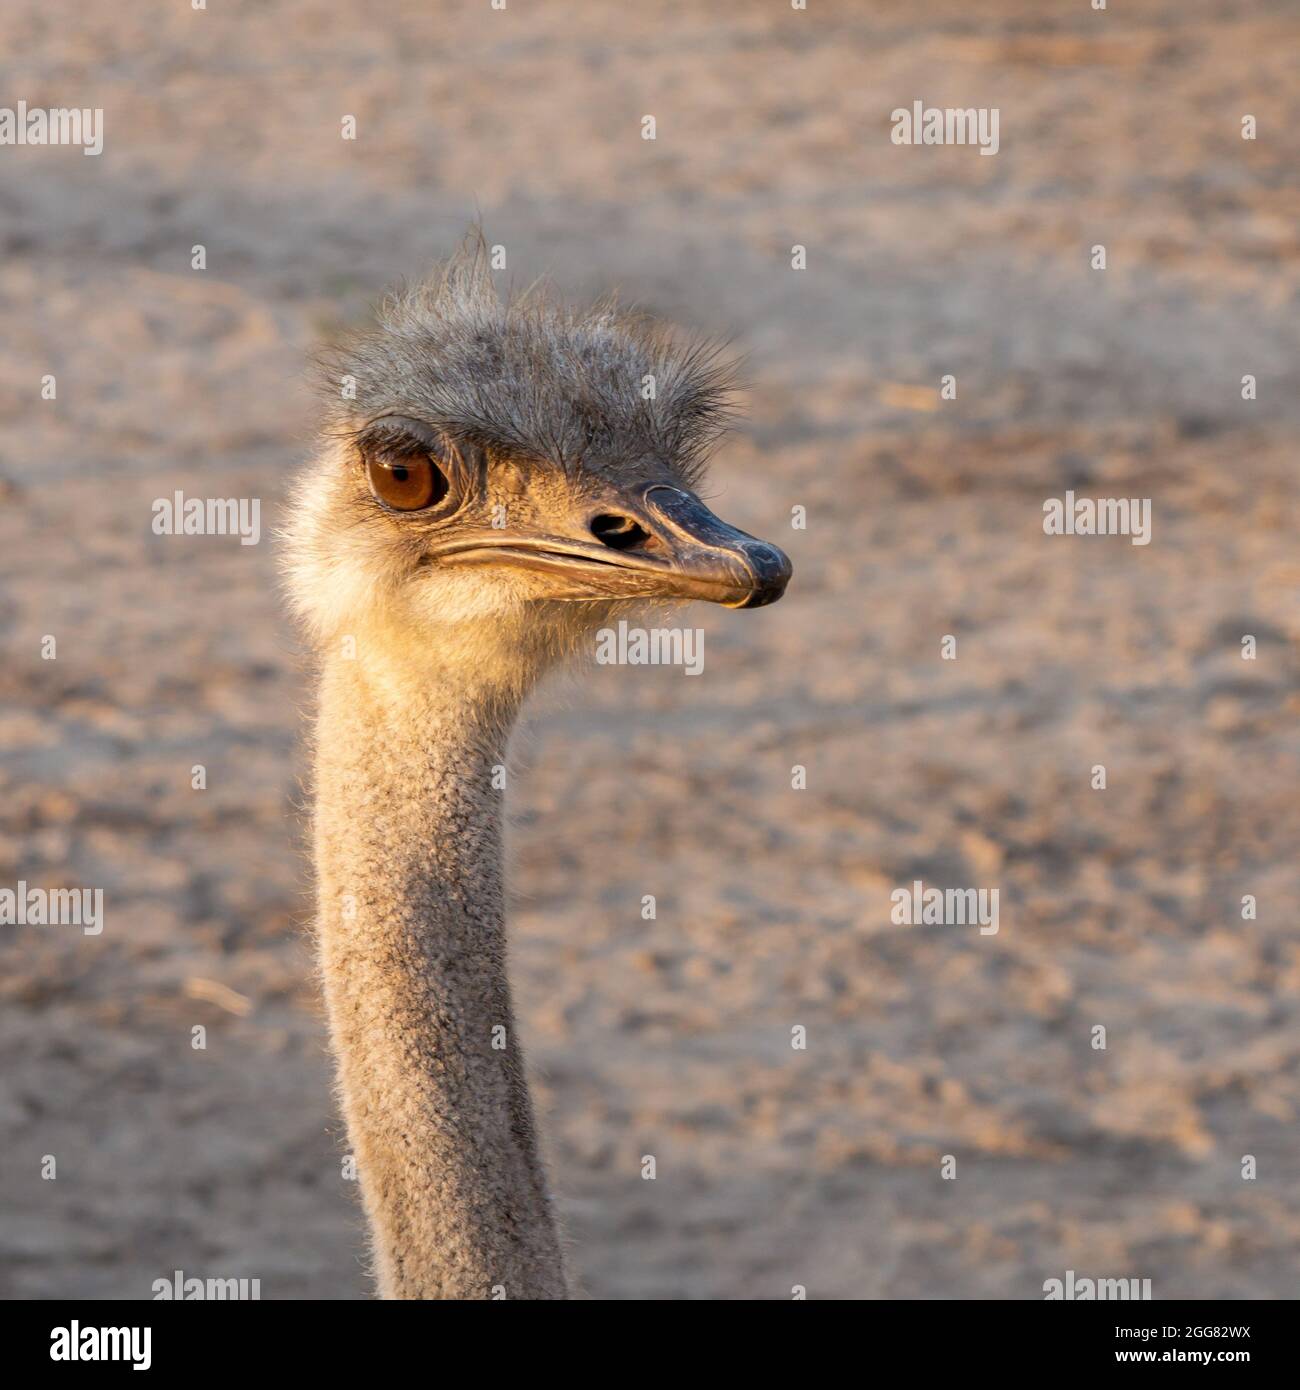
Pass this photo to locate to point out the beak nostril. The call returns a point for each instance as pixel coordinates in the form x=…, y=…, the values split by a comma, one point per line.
x=619, y=532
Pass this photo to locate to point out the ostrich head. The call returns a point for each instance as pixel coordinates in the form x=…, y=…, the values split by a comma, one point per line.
x=503, y=477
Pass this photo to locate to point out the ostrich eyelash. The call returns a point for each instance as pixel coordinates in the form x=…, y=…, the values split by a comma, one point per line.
x=396, y=437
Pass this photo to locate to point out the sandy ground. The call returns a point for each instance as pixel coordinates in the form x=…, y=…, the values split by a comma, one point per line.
x=1120, y=907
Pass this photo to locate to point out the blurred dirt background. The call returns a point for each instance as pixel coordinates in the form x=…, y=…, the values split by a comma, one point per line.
x=1121, y=908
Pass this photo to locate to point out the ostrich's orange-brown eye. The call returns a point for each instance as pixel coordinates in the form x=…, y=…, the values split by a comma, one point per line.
x=407, y=483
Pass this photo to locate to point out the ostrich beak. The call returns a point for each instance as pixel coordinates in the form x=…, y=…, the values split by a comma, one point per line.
x=709, y=559
x=662, y=542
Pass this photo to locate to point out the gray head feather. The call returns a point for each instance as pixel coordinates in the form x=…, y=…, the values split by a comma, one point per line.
x=599, y=388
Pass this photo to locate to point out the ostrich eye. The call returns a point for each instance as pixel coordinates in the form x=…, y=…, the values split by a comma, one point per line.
x=407, y=483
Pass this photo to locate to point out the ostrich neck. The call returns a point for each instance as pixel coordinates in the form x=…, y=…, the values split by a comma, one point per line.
x=412, y=949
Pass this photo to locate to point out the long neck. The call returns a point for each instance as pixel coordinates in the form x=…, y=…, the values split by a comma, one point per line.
x=412, y=948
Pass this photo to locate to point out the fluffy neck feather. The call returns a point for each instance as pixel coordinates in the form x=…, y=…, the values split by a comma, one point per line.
x=412, y=948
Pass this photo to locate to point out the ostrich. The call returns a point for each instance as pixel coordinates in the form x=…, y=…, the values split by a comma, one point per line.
x=500, y=479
